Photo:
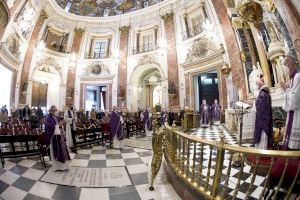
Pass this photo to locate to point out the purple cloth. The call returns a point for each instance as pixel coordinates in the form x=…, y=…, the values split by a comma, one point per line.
x=216, y=108
x=115, y=125
x=204, y=115
x=290, y=123
x=147, y=119
x=60, y=149
x=263, y=119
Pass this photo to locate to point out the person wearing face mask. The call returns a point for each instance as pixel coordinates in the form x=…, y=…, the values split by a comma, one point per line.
x=263, y=130
x=70, y=118
x=292, y=105
x=59, y=153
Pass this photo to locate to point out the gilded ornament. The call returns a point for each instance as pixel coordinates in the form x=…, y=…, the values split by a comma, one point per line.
x=43, y=15
x=168, y=17
x=225, y=69
x=124, y=29
x=251, y=11
x=79, y=31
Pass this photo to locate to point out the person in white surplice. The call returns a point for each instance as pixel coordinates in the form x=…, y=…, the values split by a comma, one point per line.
x=70, y=118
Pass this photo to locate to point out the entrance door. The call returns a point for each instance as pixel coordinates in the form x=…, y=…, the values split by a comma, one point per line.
x=208, y=87
x=95, y=96
x=39, y=94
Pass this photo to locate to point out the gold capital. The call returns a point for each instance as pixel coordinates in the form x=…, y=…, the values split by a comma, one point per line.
x=124, y=29
x=167, y=17
x=43, y=15
x=79, y=31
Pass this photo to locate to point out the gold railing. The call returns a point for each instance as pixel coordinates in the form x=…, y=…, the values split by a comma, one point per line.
x=200, y=164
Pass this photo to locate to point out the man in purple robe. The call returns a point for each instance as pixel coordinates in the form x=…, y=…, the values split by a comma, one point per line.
x=263, y=131
x=204, y=114
x=116, y=130
x=147, y=121
x=58, y=149
x=292, y=105
x=216, y=112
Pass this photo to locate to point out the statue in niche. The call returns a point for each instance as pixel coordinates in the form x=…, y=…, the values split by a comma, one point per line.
x=253, y=77
x=282, y=76
x=12, y=44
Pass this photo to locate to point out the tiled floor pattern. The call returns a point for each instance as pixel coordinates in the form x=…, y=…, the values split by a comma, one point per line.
x=20, y=177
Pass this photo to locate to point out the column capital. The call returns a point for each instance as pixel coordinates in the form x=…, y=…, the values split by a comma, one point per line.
x=79, y=31
x=168, y=16
x=124, y=29
x=43, y=15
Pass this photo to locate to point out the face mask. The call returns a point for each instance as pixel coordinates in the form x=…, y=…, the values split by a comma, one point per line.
x=56, y=113
x=71, y=108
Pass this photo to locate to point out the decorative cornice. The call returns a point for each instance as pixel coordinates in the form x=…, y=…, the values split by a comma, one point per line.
x=239, y=23
x=124, y=29
x=275, y=50
x=79, y=32
x=6, y=55
x=167, y=17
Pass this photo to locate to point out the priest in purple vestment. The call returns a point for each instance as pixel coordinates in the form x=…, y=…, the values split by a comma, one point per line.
x=216, y=112
x=147, y=121
x=263, y=131
x=204, y=114
x=59, y=153
x=292, y=105
x=116, y=130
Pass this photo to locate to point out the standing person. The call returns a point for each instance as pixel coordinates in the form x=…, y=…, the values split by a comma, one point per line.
x=147, y=121
x=3, y=115
x=263, y=131
x=39, y=114
x=204, y=114
x=34, y=122
x=216, y=112
x=59, y=153
x=163, y=117
x=93, y=115
x=70, y=118
x=171, y=117
x=26, y=113
x=116, y=130
x=292, y=105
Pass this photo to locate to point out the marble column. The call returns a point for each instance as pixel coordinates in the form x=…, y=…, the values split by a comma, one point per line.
x=28, y=56
x=70, y=90
x=231, y=46
x=13, y=88
x=122, y=70
x=172, y=57
x=262, y=55
x=291, y=18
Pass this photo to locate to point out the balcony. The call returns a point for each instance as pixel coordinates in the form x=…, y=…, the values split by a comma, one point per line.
x=195, y=30
x=144, y=48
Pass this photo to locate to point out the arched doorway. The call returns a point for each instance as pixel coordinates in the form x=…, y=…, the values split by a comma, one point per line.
x=148, y=86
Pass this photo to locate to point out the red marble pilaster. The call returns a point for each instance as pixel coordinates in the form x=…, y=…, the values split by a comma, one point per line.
x=122, y=70
x=70, y=89
x=233, y=50
x=28, y=56
x=172, y=57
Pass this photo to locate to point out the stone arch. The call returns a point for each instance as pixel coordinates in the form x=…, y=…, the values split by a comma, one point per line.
x=139, y=70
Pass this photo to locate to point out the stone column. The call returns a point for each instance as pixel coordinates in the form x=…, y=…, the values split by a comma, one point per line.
x=28, y=56
x=82, y=96
x=231, y=46
x=261, y=55
x=13, y=88
x=138, y=42
x=70, y=89
x=291, y=18
x=172, y=57
x=122, y=70
x=155, y=35
x=186, y=25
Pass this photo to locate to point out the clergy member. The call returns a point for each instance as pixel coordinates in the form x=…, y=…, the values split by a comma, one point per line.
x=292, y=105
x=59, y=153
x=216, y=112
x=263, y=131
x=204, y=114
x=163, y=117
x=70, y=119
x=147, y=121
x=116, y=130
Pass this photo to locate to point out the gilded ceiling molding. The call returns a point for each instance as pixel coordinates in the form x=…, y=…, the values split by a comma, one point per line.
x=79, y=31
x=124, y=29
x=168, y=16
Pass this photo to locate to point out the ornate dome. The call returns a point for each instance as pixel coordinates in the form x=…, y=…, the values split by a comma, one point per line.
x=103, y=8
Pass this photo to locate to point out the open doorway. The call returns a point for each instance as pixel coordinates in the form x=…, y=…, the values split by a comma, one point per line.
x=208, y=87
x=95, y=96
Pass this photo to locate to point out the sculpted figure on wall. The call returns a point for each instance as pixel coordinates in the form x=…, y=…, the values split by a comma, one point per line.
x=96, y=68
x=13, y=45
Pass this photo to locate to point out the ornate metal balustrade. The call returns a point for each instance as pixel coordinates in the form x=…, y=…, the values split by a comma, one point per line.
x=144, y=48
x=200, y=164
x=192, y=32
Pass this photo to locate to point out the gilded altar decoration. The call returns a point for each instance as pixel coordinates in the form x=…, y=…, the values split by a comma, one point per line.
x=13, y=45
x=251, y=11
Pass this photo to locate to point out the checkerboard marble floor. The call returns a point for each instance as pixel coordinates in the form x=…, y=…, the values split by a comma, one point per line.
x=20, y=178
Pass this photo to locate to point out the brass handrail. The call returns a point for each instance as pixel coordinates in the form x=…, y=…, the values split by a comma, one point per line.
x=180, y=151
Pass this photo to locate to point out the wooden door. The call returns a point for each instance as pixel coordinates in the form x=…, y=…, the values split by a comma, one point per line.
x=39, y=94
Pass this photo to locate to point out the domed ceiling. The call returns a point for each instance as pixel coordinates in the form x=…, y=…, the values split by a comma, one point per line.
x=103, y=8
